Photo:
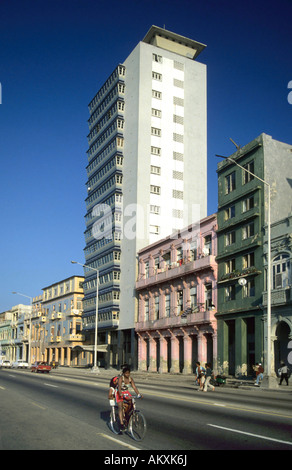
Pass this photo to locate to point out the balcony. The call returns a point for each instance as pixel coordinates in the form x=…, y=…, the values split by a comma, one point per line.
x=201, y=317
x=75, y=337
x=75, y=312
x=278, y=296
x=207, y=262
x=56, y=316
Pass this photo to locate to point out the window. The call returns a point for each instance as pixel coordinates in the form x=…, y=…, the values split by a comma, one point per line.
x=156, y=94
x=208, y=296
x=246, y=177
x=249, y=289
x=167, y=305
x=248, y=204
x=230, y=266
x=155, y=170
x=178, y=138
x=156, y=131
x=179, y=302
x=146, y=310
x=248, y=260
x=177, y=175
x=156, y=151
x=230, y=213
x=193, y=294
x=157, y=76
x=147, y=270
x=178, y=119
x=154, y=209
x=178, y=83
x=230, y=183
x=178, y=156
x=179, y=255
x=230, y=293
x=248, y=231
x=156, y=309
x=281, y=271
x=207, y=245
x=155, y=189
x=156, y=112
x=230, y=238
x=157, y=58
x=166, y=258
x=155, y=229
x=177, y=194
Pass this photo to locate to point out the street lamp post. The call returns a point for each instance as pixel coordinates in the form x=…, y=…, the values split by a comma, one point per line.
x=29, y=338
x=95, y=366
x=270, y=380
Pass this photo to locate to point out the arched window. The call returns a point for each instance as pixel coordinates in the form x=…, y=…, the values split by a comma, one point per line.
x=281, y=271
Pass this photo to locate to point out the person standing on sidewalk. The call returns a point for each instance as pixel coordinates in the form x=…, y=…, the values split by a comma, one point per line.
x=209, y=375
x=283, y=373
x=259, y=374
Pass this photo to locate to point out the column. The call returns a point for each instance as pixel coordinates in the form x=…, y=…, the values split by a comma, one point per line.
x=142, y=354
x=202, y=348
x=68, y=356
x=152, y=355
x=163, y=355
x=240, y=347
x=215, y=361
x=187, y=354
x=174, y=354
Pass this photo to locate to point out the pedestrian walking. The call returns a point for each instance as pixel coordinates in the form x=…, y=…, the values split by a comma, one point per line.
x=200, y=374
x=208, y=377
x=259, y=373
x=283, y=373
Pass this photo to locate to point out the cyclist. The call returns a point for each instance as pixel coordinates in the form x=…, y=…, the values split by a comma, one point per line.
x=123, y=396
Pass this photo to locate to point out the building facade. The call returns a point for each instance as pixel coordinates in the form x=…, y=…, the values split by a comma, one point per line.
x=57, y=324
x=176, y=285
x=146, y=174
x=242, y=223
x=281, y=294
x=20, y=332
x=5, y=336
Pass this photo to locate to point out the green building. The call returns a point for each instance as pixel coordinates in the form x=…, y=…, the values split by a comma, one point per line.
x=242, y=219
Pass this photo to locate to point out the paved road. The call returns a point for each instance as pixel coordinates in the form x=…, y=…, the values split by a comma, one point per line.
x=70, y=411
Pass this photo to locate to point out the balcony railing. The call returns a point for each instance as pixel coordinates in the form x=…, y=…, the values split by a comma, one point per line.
x=200, y=317
x=207, y=262
x=278, y=296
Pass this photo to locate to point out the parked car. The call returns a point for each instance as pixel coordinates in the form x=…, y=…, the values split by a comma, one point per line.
x=41, y=367
x=6, y=364
x=20, y=364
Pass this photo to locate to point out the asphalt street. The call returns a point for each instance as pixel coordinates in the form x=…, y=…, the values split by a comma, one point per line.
x=69, y=410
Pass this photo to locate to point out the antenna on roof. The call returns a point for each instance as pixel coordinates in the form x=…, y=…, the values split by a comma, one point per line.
x=236, y=145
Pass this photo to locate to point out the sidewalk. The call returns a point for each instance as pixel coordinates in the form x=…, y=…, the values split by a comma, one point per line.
x=169, y=378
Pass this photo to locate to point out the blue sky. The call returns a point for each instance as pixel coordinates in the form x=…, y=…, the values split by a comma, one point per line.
x=55, y=55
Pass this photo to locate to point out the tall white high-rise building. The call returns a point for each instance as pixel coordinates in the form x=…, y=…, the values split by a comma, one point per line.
x=147, y=174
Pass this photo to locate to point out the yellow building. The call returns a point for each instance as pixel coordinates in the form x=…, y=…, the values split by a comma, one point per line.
x=57, y=324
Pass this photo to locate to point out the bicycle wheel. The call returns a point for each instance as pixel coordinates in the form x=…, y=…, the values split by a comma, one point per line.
x=114, y=422
x=137, y=426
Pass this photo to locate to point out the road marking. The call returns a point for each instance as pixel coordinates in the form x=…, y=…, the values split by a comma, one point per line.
x=2, y=388
x=117, y=441
x=209, y=403
x=219, y=404
x=39, y=406
x=50, y=385
x=250, y=434
x=11, y=376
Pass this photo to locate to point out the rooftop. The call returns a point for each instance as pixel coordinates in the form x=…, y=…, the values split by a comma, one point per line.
x=173, y=42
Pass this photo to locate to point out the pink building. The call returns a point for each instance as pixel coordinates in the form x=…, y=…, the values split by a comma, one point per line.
x=177, y=301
